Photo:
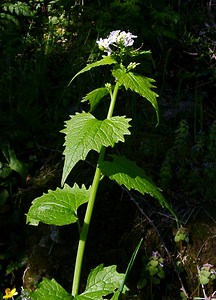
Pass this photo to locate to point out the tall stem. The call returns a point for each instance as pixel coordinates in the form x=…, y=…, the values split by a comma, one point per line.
x=90, y=206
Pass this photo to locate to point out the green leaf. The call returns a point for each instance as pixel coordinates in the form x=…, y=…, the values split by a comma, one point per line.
x=177, y=239
x=130, y=265
x=116, y=295
x=106, y=60
x=50, y=290
x=16, y=165
x=58, y=207
x=139, y=84
x=95, y=96
x=126, y=172
x=153, y=263
x=101, y=282
x=203, y=280
x=152, y=270
x=134, y=53
x=84, y=133
x=205, y=273
x=5, y=170
x=141, y=283
x=161, y=274
x=13, y=162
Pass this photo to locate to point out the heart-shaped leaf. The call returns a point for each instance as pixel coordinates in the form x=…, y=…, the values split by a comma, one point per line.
x=50, y=290
x=84, y=133
x=101, y=282
x=203, y=280
x=58, y=207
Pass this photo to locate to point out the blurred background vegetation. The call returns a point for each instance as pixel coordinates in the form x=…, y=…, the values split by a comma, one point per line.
x=43, y=43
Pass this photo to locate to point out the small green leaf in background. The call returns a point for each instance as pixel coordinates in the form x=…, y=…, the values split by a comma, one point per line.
x=17, y=165
x=203, y=279
x=95, y=96
x=126, y=172
x=84, y=133
x=13, y=162
x=101, y=282
x=106, y=60
x=58, y=207
x=152, y=270
x=50, y=290
x=5, y=170
x=139, y=84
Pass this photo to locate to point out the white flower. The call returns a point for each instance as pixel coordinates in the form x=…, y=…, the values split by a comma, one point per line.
x=103, y=45
x=113, y=36
x=126, y=38
x=116, y=38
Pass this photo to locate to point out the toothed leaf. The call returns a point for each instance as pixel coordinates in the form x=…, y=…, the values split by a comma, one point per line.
x=58, y=207
x=139, y=84
x=101, y=282
x=106, y=60
x=50, y=290
x=84, y=133
x=126, y=172
x=95, y=96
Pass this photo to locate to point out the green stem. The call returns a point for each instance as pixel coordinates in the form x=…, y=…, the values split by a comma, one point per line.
x=113, y=101
x=90, y=206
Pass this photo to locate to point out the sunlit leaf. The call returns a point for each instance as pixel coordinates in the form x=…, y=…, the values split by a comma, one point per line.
x=101, y=282
x=50, y=290
x=106, y=60
x=95, y=96
x=58, y=207
x=139, y=84
x=127, y=173
x=116, y=295
x=84, y=133
x=203, y=280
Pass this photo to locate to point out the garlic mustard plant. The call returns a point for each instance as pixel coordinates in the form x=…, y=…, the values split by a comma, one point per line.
x=84, y=133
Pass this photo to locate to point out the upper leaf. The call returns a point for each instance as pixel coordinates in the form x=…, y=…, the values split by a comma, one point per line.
x=139, y=84
x=95, y=96
x=127, y=173
x=106, y=60
x=58, y=207
x=84, y=133
x=50, y=290
x=101, y=282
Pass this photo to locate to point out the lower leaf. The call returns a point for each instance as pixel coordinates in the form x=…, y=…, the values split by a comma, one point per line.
x=50, y=290
x=102, y=281
x=58, y=207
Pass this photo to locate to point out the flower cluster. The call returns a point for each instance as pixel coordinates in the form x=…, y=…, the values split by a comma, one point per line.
x=116, y=38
